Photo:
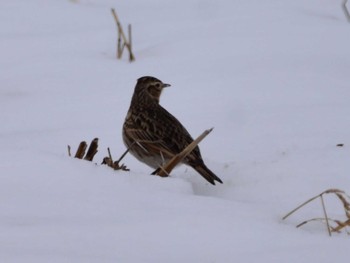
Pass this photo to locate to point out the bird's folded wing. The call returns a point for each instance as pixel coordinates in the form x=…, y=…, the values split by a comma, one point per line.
x=151, y=143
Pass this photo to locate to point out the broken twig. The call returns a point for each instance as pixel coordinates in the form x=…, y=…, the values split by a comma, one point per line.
x=165, y=170
x=115, y=165
x=122, y=37
x=92, y=150
x=81, y=150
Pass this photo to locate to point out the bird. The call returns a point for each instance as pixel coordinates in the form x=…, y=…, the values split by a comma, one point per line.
x=153, y=135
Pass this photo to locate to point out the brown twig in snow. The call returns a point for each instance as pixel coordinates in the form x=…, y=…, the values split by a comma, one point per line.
x=165, y=170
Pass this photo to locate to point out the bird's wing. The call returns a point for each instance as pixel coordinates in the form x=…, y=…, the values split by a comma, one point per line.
x=160, y=132
x=151, y=144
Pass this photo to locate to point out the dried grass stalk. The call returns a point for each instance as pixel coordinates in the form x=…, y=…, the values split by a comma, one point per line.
x=170, y=165
x=81, y=150
x=340, y=225
x=122, y=37
x=92, y=150
x=115, y=165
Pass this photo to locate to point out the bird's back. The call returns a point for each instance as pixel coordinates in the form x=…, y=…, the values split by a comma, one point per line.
x=161, y=130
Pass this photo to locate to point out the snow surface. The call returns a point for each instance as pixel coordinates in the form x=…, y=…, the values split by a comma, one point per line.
x=271, y=76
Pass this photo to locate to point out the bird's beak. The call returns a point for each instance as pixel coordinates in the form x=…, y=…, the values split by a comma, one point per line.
x=166, y=85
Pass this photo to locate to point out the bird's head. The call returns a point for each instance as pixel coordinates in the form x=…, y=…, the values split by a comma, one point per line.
x=150, y=86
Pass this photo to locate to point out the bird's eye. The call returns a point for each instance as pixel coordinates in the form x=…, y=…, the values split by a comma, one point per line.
x=157, y=85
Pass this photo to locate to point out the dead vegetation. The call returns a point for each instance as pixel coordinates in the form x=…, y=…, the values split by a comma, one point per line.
x=333, y=225
x=162, y=171
x=93, y=149
x=115, y=164
x=165, y=170
x=123, y=41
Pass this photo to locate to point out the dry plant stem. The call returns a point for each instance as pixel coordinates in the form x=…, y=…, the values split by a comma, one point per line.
x=300, y=206
x=329, y=191
x=343, y=198
x=169, y=166
x=131, y=56
x=109, y=153
x=121, y=33
x=115, y=165
x=322, y=219
x=310, y=220
x=92, y=150
x=119, y=47
x=69, y=152
x=341, y=225
x=118, y=24
x=129, y=36
x=325, y=216
x=81, y=150
x=333, y=191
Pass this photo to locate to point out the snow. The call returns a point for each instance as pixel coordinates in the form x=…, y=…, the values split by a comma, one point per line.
x=270, y=76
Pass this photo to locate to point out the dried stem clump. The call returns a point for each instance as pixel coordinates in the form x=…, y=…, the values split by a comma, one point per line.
x=333, y=225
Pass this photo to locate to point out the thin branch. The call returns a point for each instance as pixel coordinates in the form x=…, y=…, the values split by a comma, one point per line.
x=121, y=33
x=300, y=206
x=326, y=216
x=329, y=191
x=310, y=220
x=109, y=153
x=131, y=56
x=119, y=46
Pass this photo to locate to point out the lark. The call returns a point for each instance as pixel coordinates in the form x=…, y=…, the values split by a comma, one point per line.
x=153, y=135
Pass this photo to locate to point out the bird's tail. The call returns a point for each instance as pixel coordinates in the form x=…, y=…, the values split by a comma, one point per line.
x=204, y=171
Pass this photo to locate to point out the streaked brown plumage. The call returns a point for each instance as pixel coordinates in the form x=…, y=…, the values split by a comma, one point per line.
x=154, y=135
